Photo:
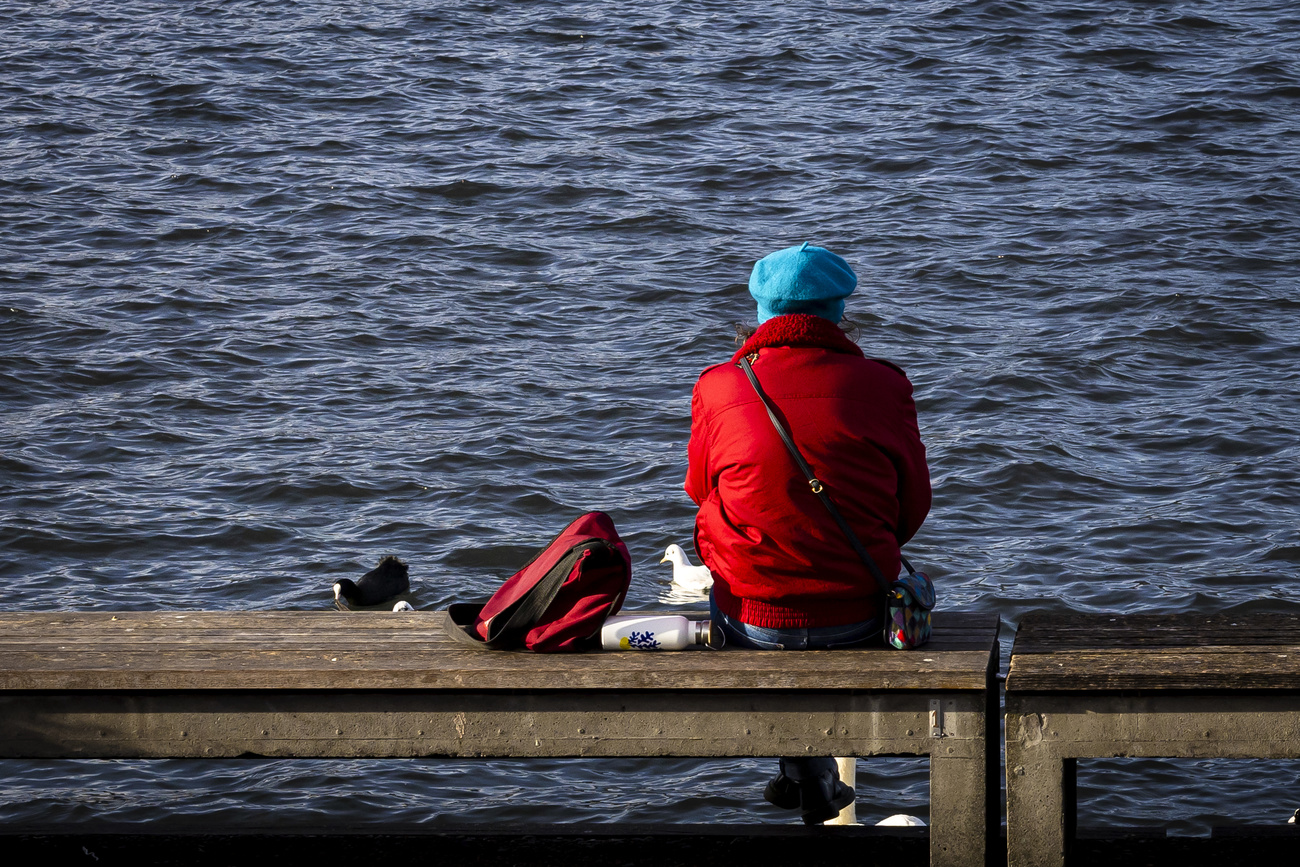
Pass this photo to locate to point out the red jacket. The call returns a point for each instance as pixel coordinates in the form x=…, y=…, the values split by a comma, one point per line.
x=778, y=558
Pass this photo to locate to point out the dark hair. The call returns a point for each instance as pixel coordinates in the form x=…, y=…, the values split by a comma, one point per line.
x=851, y=329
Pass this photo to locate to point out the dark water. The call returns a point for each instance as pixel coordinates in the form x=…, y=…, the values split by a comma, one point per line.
x=286, y=287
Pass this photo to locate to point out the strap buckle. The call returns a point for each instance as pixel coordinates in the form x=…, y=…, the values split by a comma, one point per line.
x=817, y=487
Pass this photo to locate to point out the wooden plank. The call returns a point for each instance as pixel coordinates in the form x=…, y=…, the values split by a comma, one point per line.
x=943, y=619
x=807, y=665
x=23, y=625
x=1201, y=669
x=323, y=643
x=724, y=670
x=326, y=650
x=316, y=628
x=1051, y=633
x=1099, y=652
x=405, y=640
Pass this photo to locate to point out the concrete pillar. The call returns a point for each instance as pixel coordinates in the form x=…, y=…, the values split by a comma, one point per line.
x=848, y=768
x=1039, y=812
x=958, y=832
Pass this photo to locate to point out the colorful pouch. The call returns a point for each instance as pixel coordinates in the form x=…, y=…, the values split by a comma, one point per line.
x=908, y=605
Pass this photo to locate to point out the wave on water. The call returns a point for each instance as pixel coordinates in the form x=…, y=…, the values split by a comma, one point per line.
x=287, y=288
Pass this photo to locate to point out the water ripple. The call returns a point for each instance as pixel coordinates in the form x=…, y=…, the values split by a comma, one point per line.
x=285, y=289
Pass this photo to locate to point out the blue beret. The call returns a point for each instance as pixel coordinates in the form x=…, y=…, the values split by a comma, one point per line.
x=803, y=279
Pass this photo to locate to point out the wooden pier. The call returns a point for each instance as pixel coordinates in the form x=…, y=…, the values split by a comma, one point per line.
x=313, y=685
x=1146, y=685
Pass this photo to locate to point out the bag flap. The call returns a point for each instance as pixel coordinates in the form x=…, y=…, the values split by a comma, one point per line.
x=595, y=590
x=584, y=528
x=460, y=621
x=502, y=622
x=919, y=586
x=505, y=621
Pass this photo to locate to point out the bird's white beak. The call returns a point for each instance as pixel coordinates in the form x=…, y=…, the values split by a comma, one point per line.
x=665, y=560
x=338, y=589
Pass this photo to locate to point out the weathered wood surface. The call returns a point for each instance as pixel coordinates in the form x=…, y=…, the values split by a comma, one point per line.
x=1047, y=633
x=1145, y=652
x=304, y=650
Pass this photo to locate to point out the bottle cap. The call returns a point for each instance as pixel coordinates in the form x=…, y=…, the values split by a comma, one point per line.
x=709, y=635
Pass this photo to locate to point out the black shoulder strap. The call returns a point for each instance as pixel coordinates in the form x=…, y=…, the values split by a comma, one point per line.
x=816, y=486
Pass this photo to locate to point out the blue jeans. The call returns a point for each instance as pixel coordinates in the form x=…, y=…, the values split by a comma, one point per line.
x=741, y=634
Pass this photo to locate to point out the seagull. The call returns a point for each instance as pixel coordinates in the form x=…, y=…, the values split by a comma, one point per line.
x=901, y=819
x=377, y=586
x=686, y=576
x=403, y=606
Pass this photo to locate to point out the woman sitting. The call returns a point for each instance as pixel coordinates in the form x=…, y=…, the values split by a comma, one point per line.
x=785, y=576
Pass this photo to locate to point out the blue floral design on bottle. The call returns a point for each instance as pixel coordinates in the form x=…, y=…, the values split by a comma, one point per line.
x=642, y=641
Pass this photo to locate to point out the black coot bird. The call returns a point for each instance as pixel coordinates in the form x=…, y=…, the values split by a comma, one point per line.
x=377, y=586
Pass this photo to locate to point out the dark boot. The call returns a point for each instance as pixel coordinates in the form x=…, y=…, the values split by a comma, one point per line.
x=782, y=791
x=812, y=785
x=821, y=800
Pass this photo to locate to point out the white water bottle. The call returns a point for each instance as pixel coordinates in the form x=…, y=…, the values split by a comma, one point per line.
x=655, y=632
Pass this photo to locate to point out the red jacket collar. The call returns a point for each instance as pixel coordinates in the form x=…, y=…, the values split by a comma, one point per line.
x=798, y=329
